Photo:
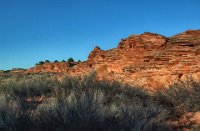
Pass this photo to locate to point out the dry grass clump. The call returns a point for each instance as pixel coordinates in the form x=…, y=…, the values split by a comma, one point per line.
x=10, y=112
x=88, y=111
x=180, y=98
x=88, y=104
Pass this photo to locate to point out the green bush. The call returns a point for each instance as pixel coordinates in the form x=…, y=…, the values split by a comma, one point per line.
x=47, y=61
x=70, y=60
x=40, y=63
x=6, y=71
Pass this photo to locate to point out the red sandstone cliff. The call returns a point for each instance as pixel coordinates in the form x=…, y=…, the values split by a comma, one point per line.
x=149, y=59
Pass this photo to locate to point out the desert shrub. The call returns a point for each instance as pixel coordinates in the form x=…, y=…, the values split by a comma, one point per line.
x=6, y=71
x=47, y=61
x=25, y=87
x=86, y=110
x=70, y=60
x=10, y=112
x=73, y=112
x=113, y=90
x=40, y=63
x=137, y=117
x=180, y=98
x=75, y=103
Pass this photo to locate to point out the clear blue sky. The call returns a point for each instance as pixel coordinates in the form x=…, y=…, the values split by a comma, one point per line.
x=34, y=30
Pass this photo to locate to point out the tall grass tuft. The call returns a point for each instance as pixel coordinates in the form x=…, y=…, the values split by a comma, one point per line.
x=10, y=112
x=180, y=98
x=75, y=103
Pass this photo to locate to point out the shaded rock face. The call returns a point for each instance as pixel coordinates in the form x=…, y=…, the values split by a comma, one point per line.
x=149, y=60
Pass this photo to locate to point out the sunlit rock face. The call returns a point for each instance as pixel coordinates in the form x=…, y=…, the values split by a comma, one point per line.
x=150, y=60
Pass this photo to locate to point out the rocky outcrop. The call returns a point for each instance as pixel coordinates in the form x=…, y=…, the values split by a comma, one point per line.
x=59, y=67
x=149, y=60
x=146, y=40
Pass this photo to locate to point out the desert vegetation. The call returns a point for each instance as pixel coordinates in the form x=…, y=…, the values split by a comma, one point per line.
x=43, y=102
x=69, y=60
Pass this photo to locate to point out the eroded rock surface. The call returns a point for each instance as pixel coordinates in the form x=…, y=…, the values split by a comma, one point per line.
x=149, y=60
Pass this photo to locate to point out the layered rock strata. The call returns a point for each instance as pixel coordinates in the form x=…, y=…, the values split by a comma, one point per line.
x=148, y=59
